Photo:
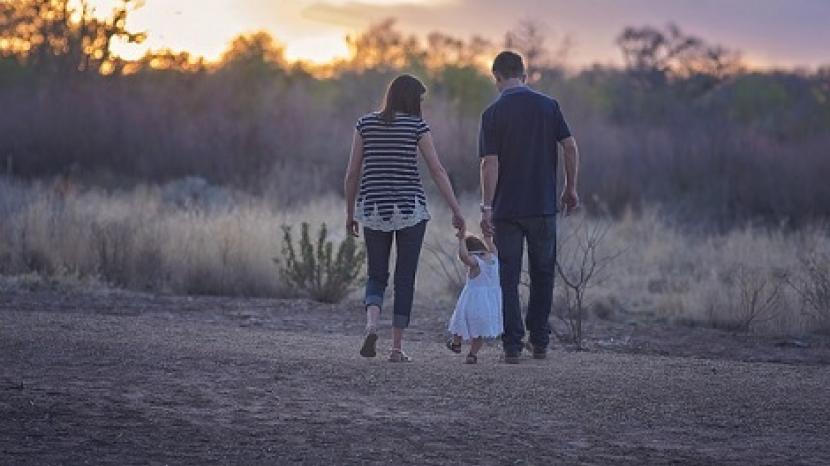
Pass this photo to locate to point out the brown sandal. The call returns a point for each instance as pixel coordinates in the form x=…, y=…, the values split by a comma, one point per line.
x=471, y=359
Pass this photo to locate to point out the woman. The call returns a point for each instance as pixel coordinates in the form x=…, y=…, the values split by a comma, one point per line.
x=391, y=203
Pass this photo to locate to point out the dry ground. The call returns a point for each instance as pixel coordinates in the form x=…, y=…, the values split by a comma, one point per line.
x=137, y=379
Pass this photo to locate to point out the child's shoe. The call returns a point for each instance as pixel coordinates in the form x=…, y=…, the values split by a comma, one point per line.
x=454, y=346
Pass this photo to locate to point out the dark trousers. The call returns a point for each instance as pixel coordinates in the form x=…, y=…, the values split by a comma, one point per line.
x=540, y=233
x=408, y=242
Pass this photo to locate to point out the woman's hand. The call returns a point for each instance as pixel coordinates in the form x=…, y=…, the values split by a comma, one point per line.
x=352, y=227
x=458, y=222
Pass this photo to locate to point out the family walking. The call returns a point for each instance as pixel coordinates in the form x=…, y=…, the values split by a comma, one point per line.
x=519, y=144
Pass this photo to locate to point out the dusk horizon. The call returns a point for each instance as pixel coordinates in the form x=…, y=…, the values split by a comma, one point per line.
x=768, y=34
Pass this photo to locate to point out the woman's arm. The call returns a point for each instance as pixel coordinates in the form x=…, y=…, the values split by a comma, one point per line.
x=442, y=180
x=351, y=181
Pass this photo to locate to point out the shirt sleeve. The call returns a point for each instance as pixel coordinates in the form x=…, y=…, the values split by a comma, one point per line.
x=359, y=125
x=422, y=129
x=488, y=141
x=560, y=126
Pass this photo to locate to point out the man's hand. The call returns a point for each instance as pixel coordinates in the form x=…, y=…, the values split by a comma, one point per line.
x=570, y=200
x=487, y=227
x=352, y=227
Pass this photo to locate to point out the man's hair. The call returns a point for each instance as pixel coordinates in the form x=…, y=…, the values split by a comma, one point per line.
x=509, y=65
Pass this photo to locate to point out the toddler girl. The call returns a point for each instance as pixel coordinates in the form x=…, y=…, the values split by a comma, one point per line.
x=478, y=312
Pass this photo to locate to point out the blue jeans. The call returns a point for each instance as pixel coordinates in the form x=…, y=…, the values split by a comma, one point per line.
x=540, y=233
x=408, y=243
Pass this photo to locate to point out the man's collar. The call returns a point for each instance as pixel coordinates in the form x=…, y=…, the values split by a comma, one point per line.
x=515, y=89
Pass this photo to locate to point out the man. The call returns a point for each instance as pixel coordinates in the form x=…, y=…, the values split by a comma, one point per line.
x=518, y=146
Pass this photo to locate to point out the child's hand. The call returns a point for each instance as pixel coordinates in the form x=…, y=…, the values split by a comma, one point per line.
x=460, y=233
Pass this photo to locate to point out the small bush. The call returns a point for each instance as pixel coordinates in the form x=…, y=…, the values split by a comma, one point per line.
x=754, y=296
x=813, y=287
x=580, y=263
x=315, y=270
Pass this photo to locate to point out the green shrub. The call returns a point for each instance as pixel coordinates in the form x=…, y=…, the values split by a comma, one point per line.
x=315, y=270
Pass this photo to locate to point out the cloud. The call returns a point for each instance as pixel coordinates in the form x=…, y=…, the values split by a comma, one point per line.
x=357, y=14
x=345, y=16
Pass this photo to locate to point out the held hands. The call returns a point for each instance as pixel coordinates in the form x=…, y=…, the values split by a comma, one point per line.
x=570, y=200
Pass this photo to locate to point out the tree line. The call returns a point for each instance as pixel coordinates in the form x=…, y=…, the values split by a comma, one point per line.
x=683, y=124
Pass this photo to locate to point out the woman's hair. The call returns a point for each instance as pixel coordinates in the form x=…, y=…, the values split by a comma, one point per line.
x=404, y=95
x=475, y=244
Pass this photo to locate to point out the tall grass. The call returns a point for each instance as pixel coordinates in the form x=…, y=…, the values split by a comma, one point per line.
x=190, y=238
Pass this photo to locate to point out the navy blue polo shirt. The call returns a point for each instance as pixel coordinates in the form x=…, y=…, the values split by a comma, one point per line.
x=523, y=128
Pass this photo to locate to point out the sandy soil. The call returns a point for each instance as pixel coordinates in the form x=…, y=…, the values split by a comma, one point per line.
x=118, y=378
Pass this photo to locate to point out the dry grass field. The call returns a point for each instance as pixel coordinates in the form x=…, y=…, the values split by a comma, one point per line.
x=190, y=238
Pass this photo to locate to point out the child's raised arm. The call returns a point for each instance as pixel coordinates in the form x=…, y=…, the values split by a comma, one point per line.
x=491, y=245
x=463, y=253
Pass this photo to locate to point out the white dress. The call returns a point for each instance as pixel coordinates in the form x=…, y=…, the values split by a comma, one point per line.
x=478, y=311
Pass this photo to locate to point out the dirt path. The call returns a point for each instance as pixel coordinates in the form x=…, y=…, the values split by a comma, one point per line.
x=202, y=382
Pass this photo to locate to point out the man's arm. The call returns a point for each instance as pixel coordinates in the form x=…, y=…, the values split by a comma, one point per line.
x=570, y=199
x=489, y=178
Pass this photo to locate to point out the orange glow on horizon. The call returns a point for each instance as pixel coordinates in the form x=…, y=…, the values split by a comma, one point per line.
x=204, y=28
x=315, y=31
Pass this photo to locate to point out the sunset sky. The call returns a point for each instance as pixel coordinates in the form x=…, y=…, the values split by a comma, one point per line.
x=768, y=32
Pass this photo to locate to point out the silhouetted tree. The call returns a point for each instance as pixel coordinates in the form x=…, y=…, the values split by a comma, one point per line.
x=382, y=46
x=653, y=56
x=64, y=36
x=443, y=50
x=528, y=39
x=167, y=60
x=531, y=39
x=258, y=50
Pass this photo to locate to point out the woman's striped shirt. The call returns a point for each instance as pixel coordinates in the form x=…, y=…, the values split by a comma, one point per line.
x=391, y=195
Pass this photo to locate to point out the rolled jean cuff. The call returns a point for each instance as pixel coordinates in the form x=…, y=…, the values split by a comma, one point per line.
x=374, y=301
x=400, y=321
